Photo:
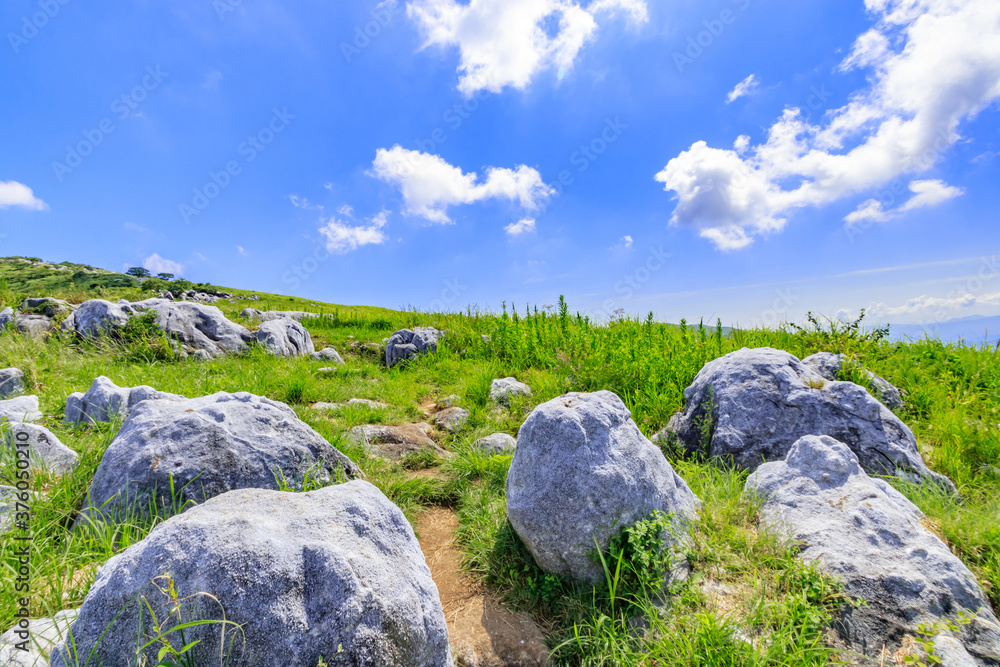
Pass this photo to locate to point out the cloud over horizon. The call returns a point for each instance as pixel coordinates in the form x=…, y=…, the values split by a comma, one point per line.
x=17, y=194
x=934, y=64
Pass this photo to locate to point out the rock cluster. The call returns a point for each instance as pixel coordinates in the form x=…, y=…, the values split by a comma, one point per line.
x=581, y=472
x=861, y=530
x=751, y=405
x=105, y=401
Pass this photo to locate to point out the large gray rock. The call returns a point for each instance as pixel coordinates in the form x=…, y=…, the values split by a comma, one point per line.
x=11, y=382
x=43, y=447
x=751, y=405
x=867, y=534
x=503, y=389
x=284, y=337
x=497, y=443
x=581, y=472
x=829, y=365
x=407, y=344
x=31, y=646
x=20, y=409
x=6, y=317
x=197, y=326
x=328, y=354
x=335, y=573
x=105, y=401
x=96, y=317
x=203, y=447
x=395, y=442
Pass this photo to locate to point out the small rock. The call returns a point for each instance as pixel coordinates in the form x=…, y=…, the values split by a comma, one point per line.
x=407, y=344
x=375, y=405
x=395, y=442
x=335, y=573
x=46, y=306
x=96, y=317
x=6, y=318
x=42, y=636
x=501, y=390
x=43, y=447
x=11, y=382
x=20, y=409
x=34, y=326
x=449, y=401
x=452, y=419
x=581, y=472
x=328, y=354
x=497, y=443
x=284, y=337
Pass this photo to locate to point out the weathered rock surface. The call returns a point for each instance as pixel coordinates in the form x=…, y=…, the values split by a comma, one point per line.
x=197, y=326
x=407, y=344
x=105, y=401
x=395, y=442
x=581, y=472
x=40, y=638
x=328, y=354
x=497, y=443
x=828, y=365
x=20, y=409
x=33, y=326
x=284, y=337
x=253, y=314
x=96, y=317
x=452, y=419
x=6, y=317
x=11, y=382
x=863, y=531
x=204, y=447
x=44, y=448
x=503, y=389
x=335, y=573
x=751, y=405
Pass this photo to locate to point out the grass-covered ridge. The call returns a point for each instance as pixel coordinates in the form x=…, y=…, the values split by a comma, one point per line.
x=748, y=600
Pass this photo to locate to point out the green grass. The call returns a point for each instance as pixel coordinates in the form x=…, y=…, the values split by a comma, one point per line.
x=774, y=611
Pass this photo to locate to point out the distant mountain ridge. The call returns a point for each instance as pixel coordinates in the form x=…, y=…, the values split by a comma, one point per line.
x=975, y=330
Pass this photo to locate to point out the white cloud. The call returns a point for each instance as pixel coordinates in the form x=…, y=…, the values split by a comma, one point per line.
x=925, y=193
x=241, y=250
x=627, y=241
x=507, y=42
x=430, y=185
x=342, y=238
x=747, y=86
x=156, y=264
x=926, y=307
x=520, y=227
x=13, y=193
x=935, y=64
x=346, y=211
x=302, y=202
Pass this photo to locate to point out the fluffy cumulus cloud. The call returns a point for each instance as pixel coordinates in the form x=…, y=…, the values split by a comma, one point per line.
x=925, y=193
x=520, y=227
x=156, y=264
x=747, y=86
x=13, y=193
x=507, y=42
x=933, y=64
x=927, y=308
x=430, y=185
x=343, y=236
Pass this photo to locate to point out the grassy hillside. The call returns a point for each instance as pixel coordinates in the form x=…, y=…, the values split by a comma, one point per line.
x=953, y=398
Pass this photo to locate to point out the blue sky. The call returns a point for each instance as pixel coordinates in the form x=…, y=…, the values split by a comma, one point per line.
x=743, y=159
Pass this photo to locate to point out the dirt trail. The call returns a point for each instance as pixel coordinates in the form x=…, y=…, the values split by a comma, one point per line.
x=482, y=634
